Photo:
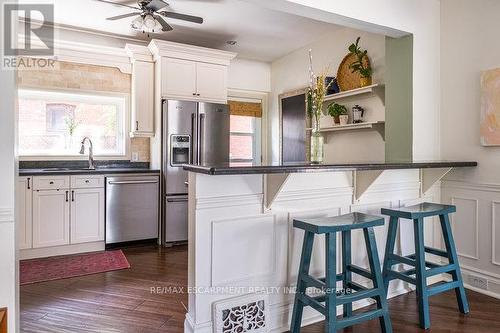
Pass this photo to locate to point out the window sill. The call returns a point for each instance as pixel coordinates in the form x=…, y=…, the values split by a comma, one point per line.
x=73, y=157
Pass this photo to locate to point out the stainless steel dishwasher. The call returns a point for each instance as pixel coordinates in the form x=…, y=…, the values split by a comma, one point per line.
x=131, y=208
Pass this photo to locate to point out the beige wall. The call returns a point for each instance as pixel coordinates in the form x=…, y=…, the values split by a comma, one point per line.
x=291, y=72
x=469, y=45
x=83, y=77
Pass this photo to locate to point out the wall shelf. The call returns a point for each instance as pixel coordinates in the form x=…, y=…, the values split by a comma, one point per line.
x=376, y=89
x=379, y=126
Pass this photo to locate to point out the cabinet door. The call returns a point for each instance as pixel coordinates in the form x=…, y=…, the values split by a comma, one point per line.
x=50, y=218
x=87, y=215
x=211, y=82
x=143, y=98
x=24, y=195
x=178, y=78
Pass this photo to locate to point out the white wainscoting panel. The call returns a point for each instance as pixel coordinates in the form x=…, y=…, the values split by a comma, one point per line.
x=6, y=215
x=465, y=226
x=232, y=262
x=495, y=232
x=296, y=238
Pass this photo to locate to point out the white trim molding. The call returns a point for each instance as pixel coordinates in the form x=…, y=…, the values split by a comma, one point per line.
x=88, y=54
x=474, y=256
x=161, y=48
x=6, y=215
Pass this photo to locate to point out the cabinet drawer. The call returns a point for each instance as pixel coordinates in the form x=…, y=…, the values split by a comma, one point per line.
x=50, y=182
x=87, y=181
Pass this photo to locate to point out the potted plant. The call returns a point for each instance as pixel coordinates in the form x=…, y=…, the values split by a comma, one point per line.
x=361, y=65
x=336, y=111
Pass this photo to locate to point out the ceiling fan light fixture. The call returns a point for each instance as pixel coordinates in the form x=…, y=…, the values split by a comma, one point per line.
x=137, y=23
x=149, y=22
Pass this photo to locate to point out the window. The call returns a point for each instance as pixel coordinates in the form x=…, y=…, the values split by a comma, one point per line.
x=54, y=123
x=244, y=139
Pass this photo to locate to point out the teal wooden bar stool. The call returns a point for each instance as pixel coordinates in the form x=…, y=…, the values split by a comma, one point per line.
x=423, y=269
x=328, y=285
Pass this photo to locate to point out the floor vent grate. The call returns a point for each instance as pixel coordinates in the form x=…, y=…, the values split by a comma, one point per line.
x=247, y=313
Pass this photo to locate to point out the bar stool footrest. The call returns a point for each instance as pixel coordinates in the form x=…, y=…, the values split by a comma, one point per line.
x=314, y=302
x=443, y=287
x=360, y=271
x=359, y=318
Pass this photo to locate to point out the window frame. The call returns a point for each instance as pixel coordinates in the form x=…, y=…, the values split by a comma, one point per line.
x=76, y=156
x=256, y=133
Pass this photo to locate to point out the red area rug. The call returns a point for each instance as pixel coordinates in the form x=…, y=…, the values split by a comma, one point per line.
x=63, y=267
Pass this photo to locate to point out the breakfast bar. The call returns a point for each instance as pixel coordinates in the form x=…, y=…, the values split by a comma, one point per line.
x=244, y=251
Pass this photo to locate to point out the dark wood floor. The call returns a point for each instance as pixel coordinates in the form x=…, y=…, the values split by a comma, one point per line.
x=122, y=301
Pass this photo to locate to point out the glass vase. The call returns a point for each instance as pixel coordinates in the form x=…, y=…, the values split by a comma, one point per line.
x=317, y=145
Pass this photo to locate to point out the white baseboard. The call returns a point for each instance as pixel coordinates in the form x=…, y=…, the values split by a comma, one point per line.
x=61, y=250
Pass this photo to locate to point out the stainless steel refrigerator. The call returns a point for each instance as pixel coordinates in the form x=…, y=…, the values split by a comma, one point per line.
x=195, y=133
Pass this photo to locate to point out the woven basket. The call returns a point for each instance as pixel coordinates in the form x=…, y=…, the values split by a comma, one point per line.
x=345, y=78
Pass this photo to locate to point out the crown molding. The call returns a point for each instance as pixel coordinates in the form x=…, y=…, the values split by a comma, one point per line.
x=86, y=54
x=161, y=48
x=138, y=53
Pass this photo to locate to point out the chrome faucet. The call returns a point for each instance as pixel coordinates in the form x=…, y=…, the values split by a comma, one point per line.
x=91, y=152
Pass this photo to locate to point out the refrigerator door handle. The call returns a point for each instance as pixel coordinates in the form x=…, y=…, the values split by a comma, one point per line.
x=200, y=138
x=191, y=156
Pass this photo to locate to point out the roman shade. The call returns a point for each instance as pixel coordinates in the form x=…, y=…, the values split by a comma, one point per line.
x=245, y=109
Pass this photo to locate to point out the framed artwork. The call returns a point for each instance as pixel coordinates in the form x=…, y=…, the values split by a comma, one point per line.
x=490, y=108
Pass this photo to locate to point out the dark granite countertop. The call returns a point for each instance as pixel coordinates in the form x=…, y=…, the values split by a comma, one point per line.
x=239, y=169
x=98, y=171
x=43, y=168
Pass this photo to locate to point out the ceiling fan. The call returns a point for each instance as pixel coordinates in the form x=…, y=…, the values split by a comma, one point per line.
x=150, y=18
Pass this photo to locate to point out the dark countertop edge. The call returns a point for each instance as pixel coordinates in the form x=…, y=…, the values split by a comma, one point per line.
x=110, y=171
x=325, y=167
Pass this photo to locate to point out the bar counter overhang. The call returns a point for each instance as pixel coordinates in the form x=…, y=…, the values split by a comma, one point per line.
x=241, y=234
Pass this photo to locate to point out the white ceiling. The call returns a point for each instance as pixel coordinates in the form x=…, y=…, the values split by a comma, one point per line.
x=262, y=34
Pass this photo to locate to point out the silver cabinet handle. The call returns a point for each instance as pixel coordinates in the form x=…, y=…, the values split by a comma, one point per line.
x=186, y=183
x=124, y=182
x=178, y=200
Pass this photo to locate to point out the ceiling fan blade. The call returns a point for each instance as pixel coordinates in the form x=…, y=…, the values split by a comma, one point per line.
x=164, y=24
x=184, y=17
x=156, y=5
x=118, y=4
x=119, y=17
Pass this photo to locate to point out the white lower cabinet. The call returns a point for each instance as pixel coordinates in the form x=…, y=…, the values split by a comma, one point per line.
x=87, y=215
x=24, y=197
x=71, y=215
x=51, y=209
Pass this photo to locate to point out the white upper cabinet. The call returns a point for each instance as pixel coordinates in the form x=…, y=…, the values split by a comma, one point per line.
x=191, y=72
x=142, y=99
x=142, y=92
x=211, y=82
x=24, y=197
x=178, y=78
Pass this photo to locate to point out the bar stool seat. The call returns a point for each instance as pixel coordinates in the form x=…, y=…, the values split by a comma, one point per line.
x=328, y=285
x=422, y=269
x=418, y=211
x=339, y=223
